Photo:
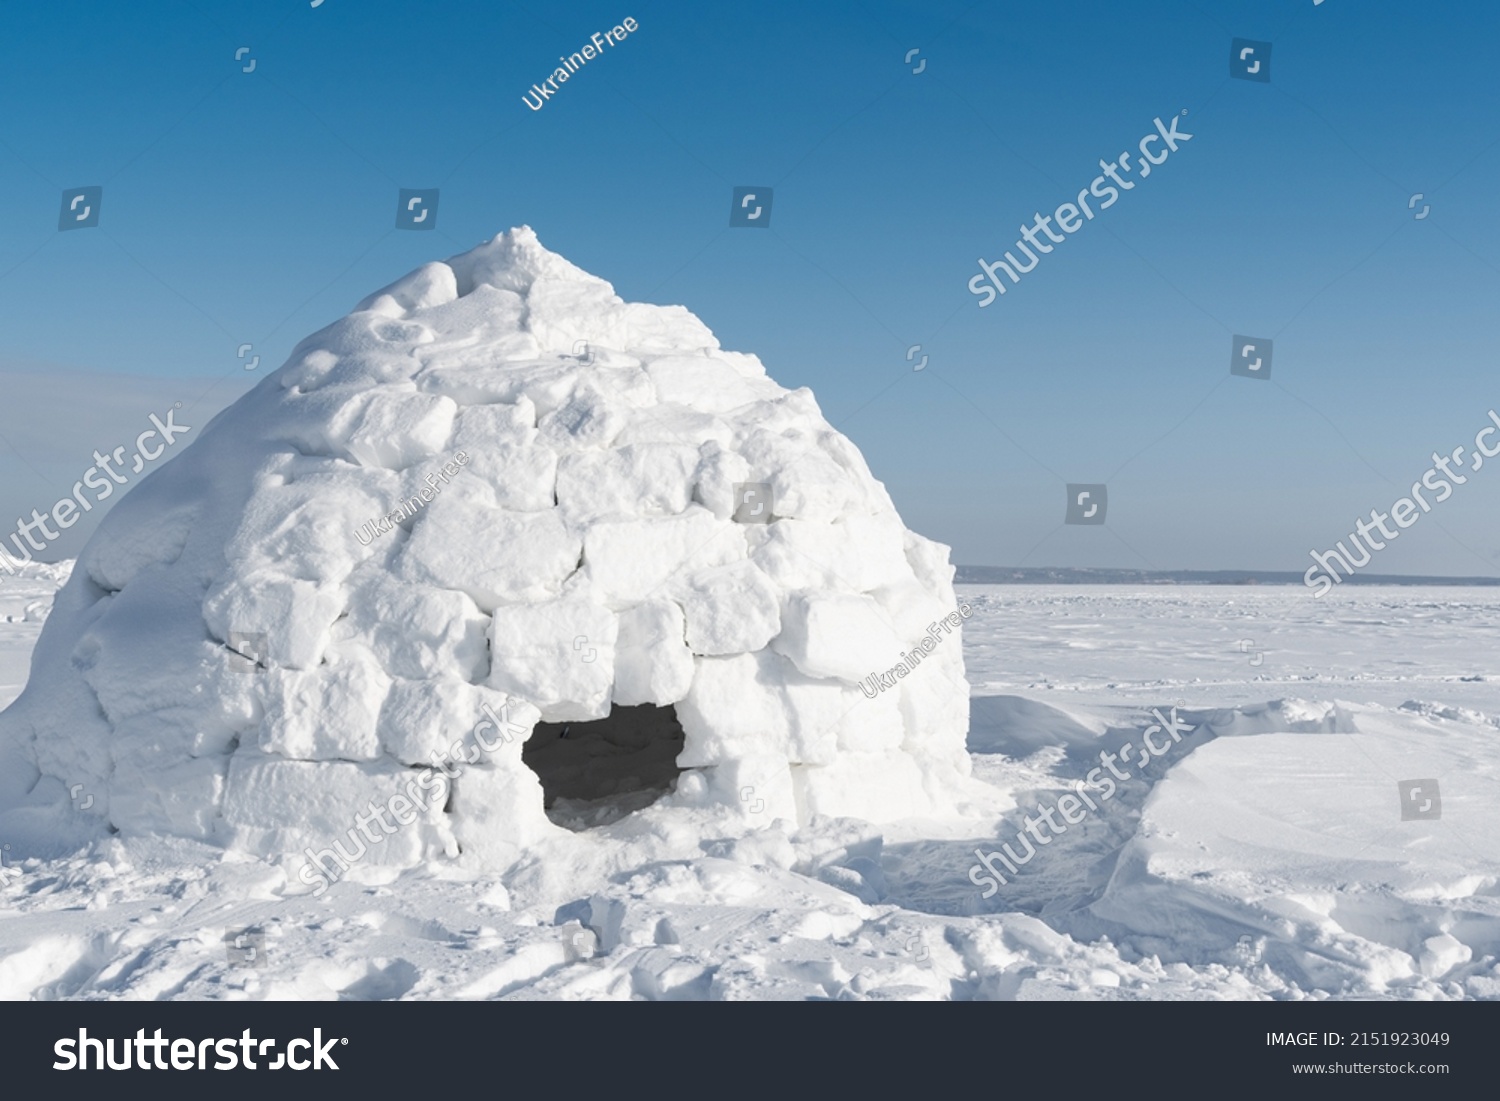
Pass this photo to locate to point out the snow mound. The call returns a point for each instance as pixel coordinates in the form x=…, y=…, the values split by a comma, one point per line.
x=493, y=505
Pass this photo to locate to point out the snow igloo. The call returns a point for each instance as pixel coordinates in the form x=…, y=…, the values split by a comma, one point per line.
x=494, y=556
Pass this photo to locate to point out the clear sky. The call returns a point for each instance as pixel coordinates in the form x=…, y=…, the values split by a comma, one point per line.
x=255, y=207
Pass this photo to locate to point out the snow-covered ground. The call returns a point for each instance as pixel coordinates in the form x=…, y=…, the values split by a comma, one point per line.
x=1262, y=854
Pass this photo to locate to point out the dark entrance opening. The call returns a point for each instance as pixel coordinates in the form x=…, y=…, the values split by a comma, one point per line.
x=595, y=773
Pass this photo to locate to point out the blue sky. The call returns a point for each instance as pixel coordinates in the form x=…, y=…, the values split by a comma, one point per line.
x=255, y=207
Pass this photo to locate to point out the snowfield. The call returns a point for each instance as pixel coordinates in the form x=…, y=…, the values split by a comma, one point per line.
x=1262, y=854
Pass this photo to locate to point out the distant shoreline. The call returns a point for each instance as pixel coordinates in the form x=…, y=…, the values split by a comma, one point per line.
x=1006, y=575
x=1057, y=575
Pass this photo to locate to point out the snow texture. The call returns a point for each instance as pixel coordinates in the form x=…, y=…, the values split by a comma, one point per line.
x=1266, y=856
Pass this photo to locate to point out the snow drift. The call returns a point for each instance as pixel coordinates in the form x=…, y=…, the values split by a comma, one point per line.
x=493, y=489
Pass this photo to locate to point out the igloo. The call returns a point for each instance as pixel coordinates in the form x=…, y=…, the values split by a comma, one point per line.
x=495, y=549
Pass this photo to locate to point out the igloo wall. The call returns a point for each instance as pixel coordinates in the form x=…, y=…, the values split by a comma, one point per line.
x=494, y=489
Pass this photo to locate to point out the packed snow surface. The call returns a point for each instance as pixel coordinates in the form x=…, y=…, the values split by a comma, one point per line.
x=1264, y=854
